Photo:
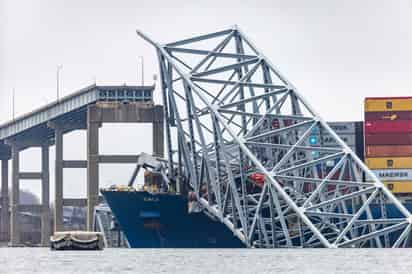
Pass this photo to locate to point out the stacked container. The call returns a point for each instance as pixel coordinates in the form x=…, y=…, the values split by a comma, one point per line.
x=388, y=141
x=350, y=132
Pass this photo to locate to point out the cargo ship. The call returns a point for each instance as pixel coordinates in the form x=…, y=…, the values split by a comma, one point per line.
x=153, y=216
x=162, y=219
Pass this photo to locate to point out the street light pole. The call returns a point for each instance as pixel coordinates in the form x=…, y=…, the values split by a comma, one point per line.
x=59, y=67
x=13, y=104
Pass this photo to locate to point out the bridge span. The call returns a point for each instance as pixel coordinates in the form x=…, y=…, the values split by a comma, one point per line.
x=86, y=109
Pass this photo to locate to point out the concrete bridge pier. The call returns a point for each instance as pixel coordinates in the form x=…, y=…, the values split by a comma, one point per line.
x=92, y=168
x=42, y=209
x=15, y=196
x=58, y=184
x=60, y=128
x=4, y=214
x=45, y=195
x=114, y=112
x=158, y=138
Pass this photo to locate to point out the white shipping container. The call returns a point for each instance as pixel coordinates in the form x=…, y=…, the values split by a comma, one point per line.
x=349, y=139
x=329, y=141
x=343, y=127
x=388, y=175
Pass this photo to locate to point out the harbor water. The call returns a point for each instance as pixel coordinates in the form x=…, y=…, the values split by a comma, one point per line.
x=291, y=261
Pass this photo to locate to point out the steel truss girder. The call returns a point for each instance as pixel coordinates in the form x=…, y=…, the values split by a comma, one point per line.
x=310, y=196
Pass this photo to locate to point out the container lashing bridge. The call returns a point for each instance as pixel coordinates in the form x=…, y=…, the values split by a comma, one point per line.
x=240, y=133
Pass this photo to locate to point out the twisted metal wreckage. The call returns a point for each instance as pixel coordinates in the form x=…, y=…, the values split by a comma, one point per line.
x=242, y=136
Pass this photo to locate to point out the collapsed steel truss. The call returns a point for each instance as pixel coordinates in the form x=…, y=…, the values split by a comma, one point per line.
x=242, y=136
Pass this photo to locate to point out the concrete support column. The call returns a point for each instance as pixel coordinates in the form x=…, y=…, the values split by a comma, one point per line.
x=158, y=141
x=45, y=218
x=92, y=167
x=4, y=214
x=15, y=197
x=58, y=193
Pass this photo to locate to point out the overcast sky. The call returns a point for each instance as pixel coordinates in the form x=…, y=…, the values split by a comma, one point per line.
x=335, y=52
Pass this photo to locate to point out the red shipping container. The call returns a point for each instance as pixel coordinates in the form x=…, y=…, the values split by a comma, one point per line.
x=286, y=122
x=388, y=115
x=388, y=139
x=389, y=151
x=388, y=126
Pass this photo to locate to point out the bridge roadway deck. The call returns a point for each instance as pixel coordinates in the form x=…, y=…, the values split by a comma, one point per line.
x=71, y=108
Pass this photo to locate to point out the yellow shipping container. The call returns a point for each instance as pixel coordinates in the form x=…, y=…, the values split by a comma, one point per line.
x=388, y=104
x=399, y=187
x=389, y=163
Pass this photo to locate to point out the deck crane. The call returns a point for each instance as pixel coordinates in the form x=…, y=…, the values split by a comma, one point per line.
x=154, y=164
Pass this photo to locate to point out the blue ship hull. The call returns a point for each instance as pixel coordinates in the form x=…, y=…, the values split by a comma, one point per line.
x=162, y=221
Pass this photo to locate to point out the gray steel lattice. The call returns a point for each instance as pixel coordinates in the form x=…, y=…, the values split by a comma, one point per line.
x=231, y=117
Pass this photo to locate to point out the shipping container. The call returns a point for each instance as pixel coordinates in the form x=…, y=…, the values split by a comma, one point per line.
x=359, y=140
x=338, y=128
x=388, y=104
x=392, y=175
x=388, y=115
x=388, y=139
x=389, y=151
x=390, y=163
x=388, y=126
x=349, y=139
x=329, y=141
x=343, y=127
x=276, y=123
x=399, y=187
